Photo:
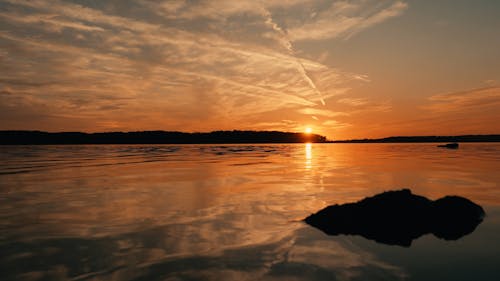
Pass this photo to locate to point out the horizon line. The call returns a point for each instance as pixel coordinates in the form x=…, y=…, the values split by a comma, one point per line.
x=396, y=138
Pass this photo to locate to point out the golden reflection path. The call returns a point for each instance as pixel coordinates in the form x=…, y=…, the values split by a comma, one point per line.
x=309, y=156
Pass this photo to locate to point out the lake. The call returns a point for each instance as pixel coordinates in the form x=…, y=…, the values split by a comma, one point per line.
x=233, y=212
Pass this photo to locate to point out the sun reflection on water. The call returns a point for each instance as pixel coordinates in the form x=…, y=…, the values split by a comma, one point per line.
x=308, y=148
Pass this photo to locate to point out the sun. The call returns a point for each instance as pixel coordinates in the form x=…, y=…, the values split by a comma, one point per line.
x=308, y=130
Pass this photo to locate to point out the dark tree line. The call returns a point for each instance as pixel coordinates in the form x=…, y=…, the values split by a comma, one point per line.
x=464, y=138
x=156, y=137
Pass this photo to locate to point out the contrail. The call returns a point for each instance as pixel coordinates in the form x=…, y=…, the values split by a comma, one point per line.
x=310, y=81
x=288, y=45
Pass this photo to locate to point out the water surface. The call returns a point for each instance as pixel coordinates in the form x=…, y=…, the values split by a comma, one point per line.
x=232, y=212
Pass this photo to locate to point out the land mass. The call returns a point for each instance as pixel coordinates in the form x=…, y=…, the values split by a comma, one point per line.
x=155, y=137
x=403, y=139
x=224, y=137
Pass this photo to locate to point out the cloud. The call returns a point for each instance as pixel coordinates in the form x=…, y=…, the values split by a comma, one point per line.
x=155, y=62
x=473, y=111
x=344, y=19
x=218, y=10
x=353, y=101
x=282, y=125
x=79, y=12
x=334, y=124
x=464, y=101
x=321, y=112
x=49, y=21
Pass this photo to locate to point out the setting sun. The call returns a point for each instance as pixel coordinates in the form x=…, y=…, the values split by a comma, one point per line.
x=308, y=130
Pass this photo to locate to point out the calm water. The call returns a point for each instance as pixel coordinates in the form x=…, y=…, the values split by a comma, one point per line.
x=232, y=212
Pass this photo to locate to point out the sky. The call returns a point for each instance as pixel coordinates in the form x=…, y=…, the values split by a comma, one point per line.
x=345, y=69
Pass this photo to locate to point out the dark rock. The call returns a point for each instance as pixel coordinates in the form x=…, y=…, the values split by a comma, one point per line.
x=449, y=145
x=399, y=217
x=454, y=217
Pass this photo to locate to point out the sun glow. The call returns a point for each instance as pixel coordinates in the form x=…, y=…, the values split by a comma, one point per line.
x=308, y=130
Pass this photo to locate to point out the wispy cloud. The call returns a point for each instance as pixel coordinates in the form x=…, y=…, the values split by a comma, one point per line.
x=48, y=21
x=473, y=111
x=344, y=19
x=164, y=64
x=335, y=125
x=353, y=101
x=322, y=112
x=470, y=100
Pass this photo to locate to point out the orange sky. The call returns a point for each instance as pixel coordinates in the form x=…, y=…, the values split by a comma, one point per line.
x=347, y=69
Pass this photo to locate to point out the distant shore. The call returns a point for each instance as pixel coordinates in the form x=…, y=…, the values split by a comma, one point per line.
x=155, y=137
x=216, y=137
x=417, y=139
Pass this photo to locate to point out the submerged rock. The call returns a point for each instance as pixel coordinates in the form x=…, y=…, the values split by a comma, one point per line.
x=449, y=145
x=399, y=217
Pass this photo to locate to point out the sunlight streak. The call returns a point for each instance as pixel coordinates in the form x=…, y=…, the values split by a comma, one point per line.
x=308, y=148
